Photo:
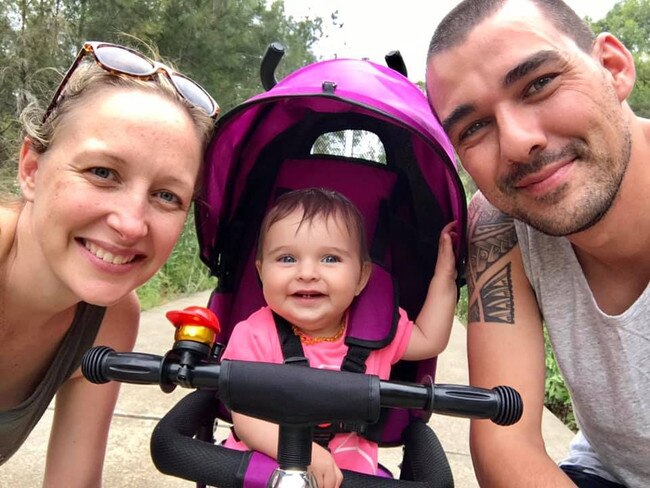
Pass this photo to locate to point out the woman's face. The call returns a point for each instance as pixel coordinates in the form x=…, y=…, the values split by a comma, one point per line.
x=108, y=199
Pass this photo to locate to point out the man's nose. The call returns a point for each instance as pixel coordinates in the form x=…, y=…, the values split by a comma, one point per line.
x=520, y=133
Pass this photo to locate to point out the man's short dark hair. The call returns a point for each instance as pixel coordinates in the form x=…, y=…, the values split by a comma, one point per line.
x=458, y=23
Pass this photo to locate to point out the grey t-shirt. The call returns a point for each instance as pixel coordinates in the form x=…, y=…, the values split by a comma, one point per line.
x=17, y=423
x=605, y=361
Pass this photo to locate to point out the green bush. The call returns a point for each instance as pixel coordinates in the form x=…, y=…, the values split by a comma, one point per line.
x=557, y=398
x=182, y=273
x=462, y=306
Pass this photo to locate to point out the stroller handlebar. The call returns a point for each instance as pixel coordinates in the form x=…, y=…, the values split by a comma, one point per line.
x=259, y=389
x=395, y=61
x=270, y=61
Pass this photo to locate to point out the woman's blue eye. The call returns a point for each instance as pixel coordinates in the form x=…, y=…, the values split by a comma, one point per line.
x=331, y=259
x=101, y=172
x=168, y=197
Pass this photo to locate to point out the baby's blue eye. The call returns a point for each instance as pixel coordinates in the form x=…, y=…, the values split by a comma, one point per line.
x=331, y=259
x=286, y=259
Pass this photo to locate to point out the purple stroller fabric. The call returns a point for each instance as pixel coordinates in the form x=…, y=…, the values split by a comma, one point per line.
x=361, y=87
x=264, y=147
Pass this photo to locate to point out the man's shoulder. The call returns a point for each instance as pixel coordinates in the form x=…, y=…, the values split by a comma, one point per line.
x=495, y=271
x=489, y=226
x=481, y=211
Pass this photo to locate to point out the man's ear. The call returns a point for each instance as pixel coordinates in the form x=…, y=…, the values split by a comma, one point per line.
x=615, y=58
x=27, y=169
x=366, y=270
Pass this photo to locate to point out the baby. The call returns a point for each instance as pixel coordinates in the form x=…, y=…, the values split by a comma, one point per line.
x=313, y=260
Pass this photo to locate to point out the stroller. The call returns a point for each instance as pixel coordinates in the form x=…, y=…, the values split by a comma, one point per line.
x=358, y=128
x=363, y=130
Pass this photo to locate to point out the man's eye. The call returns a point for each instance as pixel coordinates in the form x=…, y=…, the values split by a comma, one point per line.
x=471, y=130
x=539, y=84
x=331, y=259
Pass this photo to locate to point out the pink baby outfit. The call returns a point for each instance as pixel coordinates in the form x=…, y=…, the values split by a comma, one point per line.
x=256, y=339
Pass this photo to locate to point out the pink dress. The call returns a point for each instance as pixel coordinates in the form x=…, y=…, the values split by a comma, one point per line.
x=256, y=339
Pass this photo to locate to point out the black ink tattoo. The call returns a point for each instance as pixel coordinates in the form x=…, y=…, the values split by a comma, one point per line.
x=497, y=299
x=492, y=238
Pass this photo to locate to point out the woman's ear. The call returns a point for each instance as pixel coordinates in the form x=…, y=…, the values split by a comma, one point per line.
x=366, y=271
x=618, y=61
x=27, y=169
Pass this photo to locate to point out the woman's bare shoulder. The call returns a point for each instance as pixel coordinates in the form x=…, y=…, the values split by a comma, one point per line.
x=9, y=212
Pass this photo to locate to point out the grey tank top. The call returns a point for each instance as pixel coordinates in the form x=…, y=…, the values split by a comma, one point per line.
x=17, y=423
x=605, y=360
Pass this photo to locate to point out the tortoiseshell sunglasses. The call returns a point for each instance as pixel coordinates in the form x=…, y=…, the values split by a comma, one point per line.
x=118, y=59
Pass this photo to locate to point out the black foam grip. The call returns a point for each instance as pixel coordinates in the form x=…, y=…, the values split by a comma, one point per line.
x=511, y=406
x=424, y=458
x=358, y=480
x=176, y=453
x=298, y=396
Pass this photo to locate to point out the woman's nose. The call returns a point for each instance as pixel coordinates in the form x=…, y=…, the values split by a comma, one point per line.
x=128, y=218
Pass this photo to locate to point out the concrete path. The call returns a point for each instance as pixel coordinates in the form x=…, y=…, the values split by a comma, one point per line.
x=128, y=463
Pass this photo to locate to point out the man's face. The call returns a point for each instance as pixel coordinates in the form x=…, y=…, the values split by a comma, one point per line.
x=534, y=120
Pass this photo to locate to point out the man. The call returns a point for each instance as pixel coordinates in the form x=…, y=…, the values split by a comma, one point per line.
x=559, y=231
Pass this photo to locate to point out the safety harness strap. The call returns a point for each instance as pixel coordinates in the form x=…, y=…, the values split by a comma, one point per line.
x=354, y=361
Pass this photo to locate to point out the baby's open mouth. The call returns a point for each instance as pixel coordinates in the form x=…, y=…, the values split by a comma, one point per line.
x=308, y=295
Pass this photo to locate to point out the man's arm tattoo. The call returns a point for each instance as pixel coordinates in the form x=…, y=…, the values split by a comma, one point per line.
x=496, y=297
x=492, y=236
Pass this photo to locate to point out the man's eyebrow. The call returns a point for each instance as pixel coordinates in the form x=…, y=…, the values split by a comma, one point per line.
x=518, y=72
x=529, y=64
x=459, y=112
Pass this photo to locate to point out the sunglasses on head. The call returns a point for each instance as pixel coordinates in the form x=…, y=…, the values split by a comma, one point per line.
x=125, y=61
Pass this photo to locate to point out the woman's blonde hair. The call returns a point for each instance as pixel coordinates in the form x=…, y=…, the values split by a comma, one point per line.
x=87, y=79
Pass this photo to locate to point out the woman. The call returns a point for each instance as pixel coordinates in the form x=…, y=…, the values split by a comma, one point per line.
x=107, y=175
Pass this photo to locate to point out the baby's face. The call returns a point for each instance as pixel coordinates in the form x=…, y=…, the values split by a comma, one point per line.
x=311, y=272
